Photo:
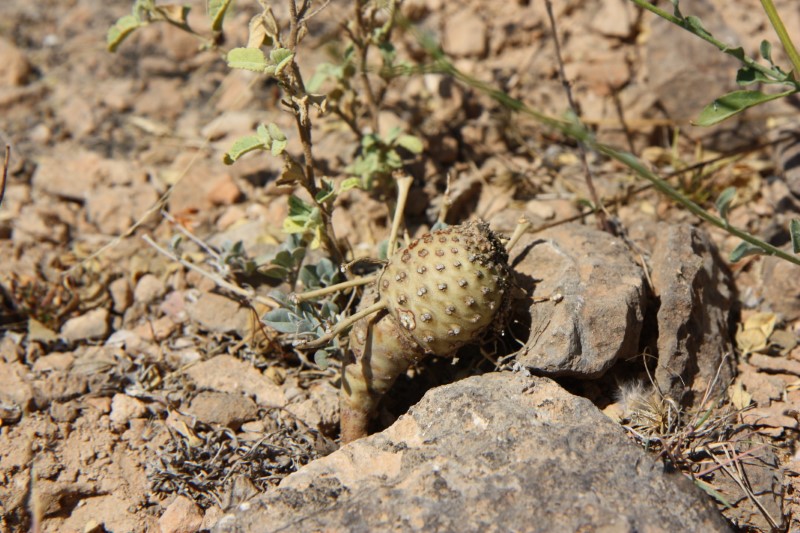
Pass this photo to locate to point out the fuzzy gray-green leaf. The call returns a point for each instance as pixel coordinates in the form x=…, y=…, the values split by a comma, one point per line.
x=247, y=59
x=216, y=12
x=242, y=146
x=123, y=27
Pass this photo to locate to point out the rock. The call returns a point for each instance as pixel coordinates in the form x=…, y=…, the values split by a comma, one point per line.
x=191, y=191
x=320, y=410
x=614, y=18
x=781, y=287
x=56, y=174
x=15, y=68
x=93, y=324
x=124, y=408
x=211, y=516
x=77, y=114
x=599, y=317
x=148, y=289
x=225, y=373
x=678, y=62
x=218, y=314
x=500, y=451
x=15, y=388
x=223, y=408
x=230, y=125
x=54, y=362
x=156, y=330
x=224, y=191
x=36, y=223
x=121, y=294
x=58, y=386
x=114, y=209
x=181, y=516
x=466, y=34
x=695, y=292
x=64, y=412
x=174, y=306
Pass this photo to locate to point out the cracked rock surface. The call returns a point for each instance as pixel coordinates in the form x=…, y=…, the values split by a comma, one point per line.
x=514, y=453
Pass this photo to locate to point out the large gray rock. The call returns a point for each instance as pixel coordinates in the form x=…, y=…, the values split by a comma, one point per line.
x=498, y=452
x=695, y=292
x=599, y=318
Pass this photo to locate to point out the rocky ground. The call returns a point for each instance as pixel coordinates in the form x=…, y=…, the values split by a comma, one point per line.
x=138, y=393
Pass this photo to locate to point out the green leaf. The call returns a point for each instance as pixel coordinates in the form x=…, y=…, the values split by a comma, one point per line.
x=369, y=141
x=242, y=146
x=696, y=26
x=321, y=74
x=216, y=12
x=676, y=9
x=281, y=58
x=747, y=75
x=350, y=183
x=298, y=207
x=724, y=201
x=743, y=250
x=708, y=489
x=281, y=320
x=794, y=231
x=278, y=147
x=411, y=143
x=393, y=160
x=173, y=13
x=730, y=104
x=766, y=50
x=393, y=134
x=123, y=27
x=737, y=52
x=275, y=132
x=326, y=192
x=321, y=359
x=263, y=134
x=247, y=59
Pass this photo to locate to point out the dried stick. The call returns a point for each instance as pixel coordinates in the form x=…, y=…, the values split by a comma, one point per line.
x=341, y=326
x=5, y=174
x=310, y=295
x=362, y=41
x=523, y=225
x=599, y=209
x=403, y=186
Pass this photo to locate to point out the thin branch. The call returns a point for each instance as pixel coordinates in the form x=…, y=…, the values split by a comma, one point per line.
x=523, y=225
x=600, y=211
x=189, y=235
x=362, y=40
x=342, y=325
x=310, y=295
x=5, y=174
x=213, y=277
x=403, y=186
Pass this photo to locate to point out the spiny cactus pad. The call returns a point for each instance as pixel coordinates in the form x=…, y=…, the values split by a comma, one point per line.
x=447, y=287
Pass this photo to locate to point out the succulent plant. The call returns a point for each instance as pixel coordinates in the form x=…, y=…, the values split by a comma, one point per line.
x=446, y=287
x=440, y=292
